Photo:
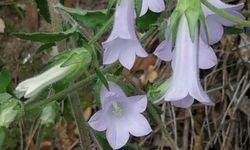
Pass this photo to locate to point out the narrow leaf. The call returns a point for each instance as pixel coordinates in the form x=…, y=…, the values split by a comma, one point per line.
x=44, y=47
x=43, y=7
x=46, y=37
x=4, y=80
x=102, y=78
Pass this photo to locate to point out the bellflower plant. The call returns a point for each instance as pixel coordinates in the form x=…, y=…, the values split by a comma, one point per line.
x=123, y=44
x=214, y=25
x=66, y=65
x=120, y=116
x=153, y=5
x=199, y=53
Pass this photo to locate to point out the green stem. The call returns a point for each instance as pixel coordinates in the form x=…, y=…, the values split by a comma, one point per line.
x=80, y=121
x=226, y=15
x=104, y=29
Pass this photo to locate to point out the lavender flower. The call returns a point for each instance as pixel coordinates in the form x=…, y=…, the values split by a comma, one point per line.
x=189, y=56
x=186, y=83
x=153, y=5
x=123, y=44
x=215, y=22
x=120, y=115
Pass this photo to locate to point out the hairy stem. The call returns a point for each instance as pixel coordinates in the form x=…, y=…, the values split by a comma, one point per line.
x=80, y=121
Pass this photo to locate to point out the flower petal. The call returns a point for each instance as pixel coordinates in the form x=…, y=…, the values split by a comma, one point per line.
x=138, y=125
x=164, y=51
x=111, y=52
x=207, y=57
x=184, y=103
x=215, y=30
x=97, y=121
x=156, y=5
x=139, y=103
x=124, y=21
x=114, y=93
x=127, y=55
x=117, y=136
x=219, y=4
x=144, y=7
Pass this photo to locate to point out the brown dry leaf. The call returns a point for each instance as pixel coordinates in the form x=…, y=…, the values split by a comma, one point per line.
x=144, y=63
x=150, y=75
x=2, y=25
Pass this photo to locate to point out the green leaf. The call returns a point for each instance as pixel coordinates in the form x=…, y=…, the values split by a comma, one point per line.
x=4, y=80
x=44, y=47
x=2, y=137
x=143, y=23
x=46, y=37
x=111, y=3
x=233, y=30
x=89, y=18
x=43, y=7
x=138, y=7
x=102, y=78
x=4, y=97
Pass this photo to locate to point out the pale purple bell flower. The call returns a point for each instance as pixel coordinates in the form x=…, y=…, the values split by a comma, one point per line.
x=185, y=85
x=215, y=22
x=153, y=5
x=123, y=44
x=120, y=116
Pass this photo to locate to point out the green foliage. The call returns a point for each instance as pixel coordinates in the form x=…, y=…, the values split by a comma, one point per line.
x=2, y=137
x=138, y=7
x=46, y=37
x=43, y=7
x=233, y=30
x=4, y=80
x=102, y=77
x=44, y=47
x=146, y=21
x=49, y=113
x=89, y=18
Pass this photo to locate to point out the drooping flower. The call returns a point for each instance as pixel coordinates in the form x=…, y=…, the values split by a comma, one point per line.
x=120, y=116
x=123, y=44
x=186, y=84
x=66, y=65
x=153, y=5
x=214, y=24
x=205, y=58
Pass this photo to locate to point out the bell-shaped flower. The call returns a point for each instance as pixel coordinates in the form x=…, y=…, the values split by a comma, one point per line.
x=123, y=44
x=153, y=5
x=215, y=23
x=120, y=116
x=185, y=85
x=66, y=65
